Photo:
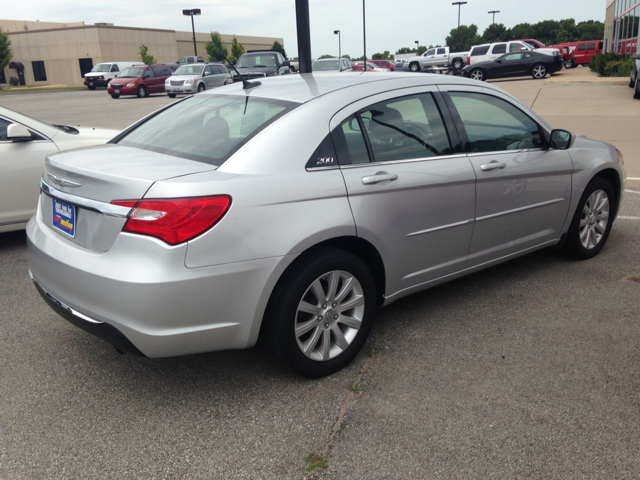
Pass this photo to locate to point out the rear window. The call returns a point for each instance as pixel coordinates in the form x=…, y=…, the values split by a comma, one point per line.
x=207, y=129
x=476, y=51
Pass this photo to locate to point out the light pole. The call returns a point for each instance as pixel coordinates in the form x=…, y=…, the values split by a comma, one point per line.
x=190, y=13
x=494, y=15
x=417, y=46
x=459, y=4
x=364, y=37
x=337, y=32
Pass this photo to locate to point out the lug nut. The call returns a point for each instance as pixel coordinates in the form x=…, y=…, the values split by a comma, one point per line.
x=335, y=317
x=334, y=305
x=324, y=306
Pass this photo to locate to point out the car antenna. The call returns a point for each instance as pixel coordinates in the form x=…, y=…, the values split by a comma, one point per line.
x=246, y=84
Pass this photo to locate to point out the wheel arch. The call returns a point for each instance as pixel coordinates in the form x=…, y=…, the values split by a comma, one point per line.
x=611, y=176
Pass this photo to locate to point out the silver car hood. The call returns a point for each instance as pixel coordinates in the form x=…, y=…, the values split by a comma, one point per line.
x=113, y=172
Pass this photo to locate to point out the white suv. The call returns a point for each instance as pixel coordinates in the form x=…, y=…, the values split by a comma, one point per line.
x=490, y=51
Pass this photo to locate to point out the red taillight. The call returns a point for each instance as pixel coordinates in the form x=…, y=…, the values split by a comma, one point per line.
x=468, y=60
x=174, y=220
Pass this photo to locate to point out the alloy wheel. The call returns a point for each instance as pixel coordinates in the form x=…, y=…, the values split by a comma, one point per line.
x=539, y=71
x=329, y=315
x=594, y=219
x=477, y=75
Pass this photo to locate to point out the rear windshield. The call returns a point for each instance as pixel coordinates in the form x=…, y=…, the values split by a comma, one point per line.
x=131, y=72
x=206, y=128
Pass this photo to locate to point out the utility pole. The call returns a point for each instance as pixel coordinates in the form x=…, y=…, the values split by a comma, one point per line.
x=494, y=15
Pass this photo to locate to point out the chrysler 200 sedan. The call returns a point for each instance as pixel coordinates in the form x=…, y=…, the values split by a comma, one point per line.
x=289, y=210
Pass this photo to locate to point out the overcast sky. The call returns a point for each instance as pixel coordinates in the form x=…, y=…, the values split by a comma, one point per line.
x=390, y=24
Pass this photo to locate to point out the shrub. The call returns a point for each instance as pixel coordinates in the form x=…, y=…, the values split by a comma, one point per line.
x=621, y=63
x=13, y=81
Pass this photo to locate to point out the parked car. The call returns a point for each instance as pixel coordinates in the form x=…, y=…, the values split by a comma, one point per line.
x=141, y=81
x=359, y=67
x=331, y=64
x=515, y=65
x=192, y=231
x=490, y=51
x=24, y=143
x=189, y=59
x=583, y=51
x=566, y=52
x=197, y=77
x=100, y=75
x=268, y=63
x=388, y=64
x=437, y=57
x=633, y=79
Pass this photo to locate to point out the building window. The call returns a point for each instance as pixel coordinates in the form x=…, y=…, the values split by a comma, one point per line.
x=2, y=77
x=39, y=73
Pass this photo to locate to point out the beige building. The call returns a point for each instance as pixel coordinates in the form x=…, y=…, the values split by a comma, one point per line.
x=60, y=53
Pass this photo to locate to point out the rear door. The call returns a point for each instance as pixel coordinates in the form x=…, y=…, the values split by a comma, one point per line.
x=411, y=191
x=523, y=190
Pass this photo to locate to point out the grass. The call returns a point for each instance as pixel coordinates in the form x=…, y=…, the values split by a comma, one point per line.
x=315, y=461
x=39, y=88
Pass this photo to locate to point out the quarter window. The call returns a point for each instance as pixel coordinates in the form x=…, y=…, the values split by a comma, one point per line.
x=493, y=124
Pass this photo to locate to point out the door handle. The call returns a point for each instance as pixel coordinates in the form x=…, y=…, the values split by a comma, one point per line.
x=379, y=177
x=492, y=165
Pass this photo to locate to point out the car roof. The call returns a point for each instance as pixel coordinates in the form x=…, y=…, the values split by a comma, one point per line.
x=304, y=87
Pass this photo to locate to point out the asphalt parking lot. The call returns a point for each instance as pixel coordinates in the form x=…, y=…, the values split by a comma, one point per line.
x=530, y=369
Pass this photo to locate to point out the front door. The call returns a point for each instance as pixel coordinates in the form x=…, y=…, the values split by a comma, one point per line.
x=411, y=197
x=511, y=65
x=523, y=190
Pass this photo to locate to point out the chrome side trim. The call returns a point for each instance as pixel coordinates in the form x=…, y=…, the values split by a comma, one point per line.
x=451, y=225
x=100, y=207
x=409, y=160
x=521, y=209
x=72, y=311
x=315, y=169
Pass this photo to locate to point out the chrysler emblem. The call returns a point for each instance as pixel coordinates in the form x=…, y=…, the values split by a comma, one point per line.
x=62, y=182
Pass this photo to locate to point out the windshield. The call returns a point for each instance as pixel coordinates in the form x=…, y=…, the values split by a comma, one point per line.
x=320, y=65
x=101, y=67
x=131, y=72
x=207, y=129
x=257, y=60
x=189, y=70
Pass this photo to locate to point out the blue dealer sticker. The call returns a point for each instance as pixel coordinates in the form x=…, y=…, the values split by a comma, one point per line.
x=64, y=217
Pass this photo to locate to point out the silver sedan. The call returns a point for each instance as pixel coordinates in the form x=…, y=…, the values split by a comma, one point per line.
x=291, y=208
x=196, y=77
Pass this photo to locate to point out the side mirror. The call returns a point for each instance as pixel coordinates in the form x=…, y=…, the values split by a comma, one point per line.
x=205, y=74
x=18, y=133
x=286, y=63
x=561, y=139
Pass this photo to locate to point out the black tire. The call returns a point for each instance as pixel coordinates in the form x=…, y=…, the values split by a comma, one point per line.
x=414, y=66
x=636, y=90
x=142, y=91
x=632, y=84
x=282, y=314
x=573, y=246
x=171, y=95
x=569, y=64
x=91, y=87
x=115, y=95
x=539, y=71
x=477, y=74
x=201, y=88
x=457, y=64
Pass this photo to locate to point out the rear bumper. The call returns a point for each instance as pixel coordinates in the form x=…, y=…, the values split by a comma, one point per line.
x=141, y=297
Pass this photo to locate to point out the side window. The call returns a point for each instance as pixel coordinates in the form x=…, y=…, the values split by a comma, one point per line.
x=512, y=57
x=114, y=68
x=581, y=47
x=441, y=51
x=207, y=70
x=516, y=47
x=591, y=46
x=500, y=48
x=494, y=125
x=148, y=73
x=3, y=129
x=477, y=51
x=350, y=143
x=404, y=128
x=222, y=69
x=430, y=52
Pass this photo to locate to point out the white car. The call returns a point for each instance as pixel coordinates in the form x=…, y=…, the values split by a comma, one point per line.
x=24, y=143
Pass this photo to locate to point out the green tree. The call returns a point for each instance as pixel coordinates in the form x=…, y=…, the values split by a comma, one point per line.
x=326, y=56
x=216, y=49
x=236, y=50
x=381, y=56
x=421, y=49
x=463, y=38
x=348, y=57
x=5, y=50
x=591, y=30
x=521, y=30
x=404, y=50
x=146, y=58
x=546, y=31
x=276, y=46
x=496, y=32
